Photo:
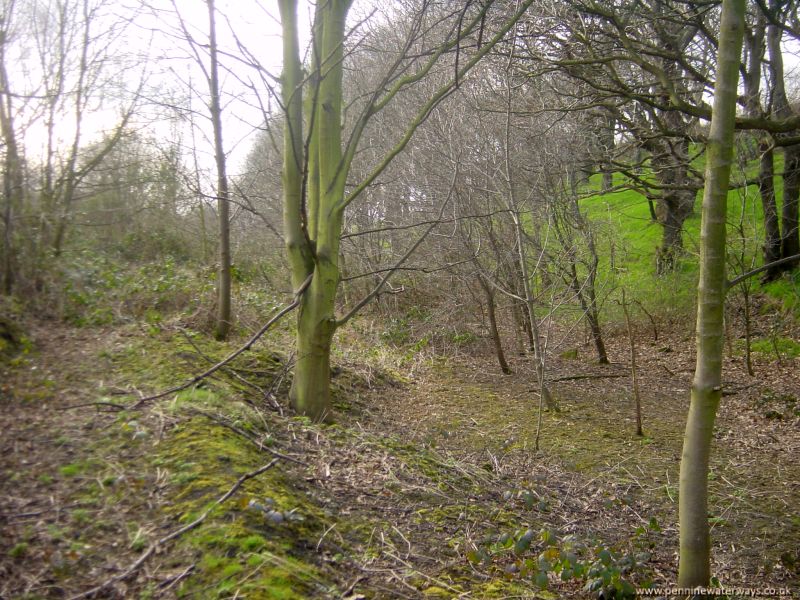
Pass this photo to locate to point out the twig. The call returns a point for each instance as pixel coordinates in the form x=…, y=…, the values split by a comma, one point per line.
x=175, y=534
x=327, y=531
x=765, y=267
x=377, y=289
x=224, y=423
x=587, y=376
x=231, y=371
x=288, y=308
x=113, y=405
x=649, y=316
x=353, y=585
x=172, y=581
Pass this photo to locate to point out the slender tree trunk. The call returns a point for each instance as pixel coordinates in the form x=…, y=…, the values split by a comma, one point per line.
x=608, y=144
x=13, y=179
x=493, y=331
x=695, y=543
x=519, y=287
x=224, y=316
x=593, y=318
x=538, y=354
x=766, y=188
x=519, y=329
x=70, y=177
x=634, y=374
x=652, y=208
x=589, y=303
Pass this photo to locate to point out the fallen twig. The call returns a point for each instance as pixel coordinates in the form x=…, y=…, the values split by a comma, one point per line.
x=175, y=579
x=175, y=534
x=587, y=376
x=197, y=378
x=219, y=420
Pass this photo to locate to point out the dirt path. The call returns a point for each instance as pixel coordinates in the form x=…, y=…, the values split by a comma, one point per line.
x=472, y=411
x=407, y=498
x=56, y=527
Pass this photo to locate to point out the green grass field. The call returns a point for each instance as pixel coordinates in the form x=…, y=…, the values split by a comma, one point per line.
x=628, y=238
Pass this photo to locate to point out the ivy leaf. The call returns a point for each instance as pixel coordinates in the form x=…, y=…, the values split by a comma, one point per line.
x=541, y=580
x=653, y=524
x=524, y=542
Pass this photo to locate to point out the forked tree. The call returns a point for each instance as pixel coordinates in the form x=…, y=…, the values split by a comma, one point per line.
x=319, y=152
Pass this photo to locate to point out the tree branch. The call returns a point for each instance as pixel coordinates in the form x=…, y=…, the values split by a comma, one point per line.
x=749, y=274
x=153, y=548
x=233, y=354
x=364, y=301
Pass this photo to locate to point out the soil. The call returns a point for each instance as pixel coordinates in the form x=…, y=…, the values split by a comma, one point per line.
x=413, y=494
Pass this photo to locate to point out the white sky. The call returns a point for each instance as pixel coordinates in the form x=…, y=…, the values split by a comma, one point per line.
x=170, y=68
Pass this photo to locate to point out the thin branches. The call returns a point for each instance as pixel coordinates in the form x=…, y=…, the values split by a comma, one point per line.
x=242, y=349
x=154, y=547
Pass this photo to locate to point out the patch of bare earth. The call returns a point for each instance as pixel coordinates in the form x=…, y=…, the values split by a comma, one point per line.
x=610, y=483
x=58, y=534
x=417, y=475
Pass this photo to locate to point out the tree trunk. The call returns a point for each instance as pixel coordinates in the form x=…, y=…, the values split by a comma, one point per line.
x=519, y=286
x=519, y=327
x=223, y=324
x=316, y=324
x=766, y=188
x=13, y=179
x=70, y=178
x=637, y=400
x=593, y=318
x=493, y=331
x=755, y=48
x=313, y=222
x=590, y=308
x=674, y=208
x=790, y=242
x=671, y=167
x=695, y=543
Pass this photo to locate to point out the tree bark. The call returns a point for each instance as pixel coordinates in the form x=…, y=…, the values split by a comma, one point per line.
x=313, y=222
x=695, y=543
x=224, y=316
x=790, y=242
x=755, y=39
x=13, y=178
x=673, y=208
x=493, y=330
x=766, y=188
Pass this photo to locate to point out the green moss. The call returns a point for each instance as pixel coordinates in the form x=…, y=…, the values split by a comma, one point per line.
x=206, y=459
x=71, y=470
x=253, y=543
x=19, y=550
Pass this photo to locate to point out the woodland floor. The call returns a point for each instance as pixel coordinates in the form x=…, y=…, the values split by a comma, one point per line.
x=414, y=494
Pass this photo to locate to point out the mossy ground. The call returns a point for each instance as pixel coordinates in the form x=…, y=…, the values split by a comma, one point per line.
x=425, y=488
